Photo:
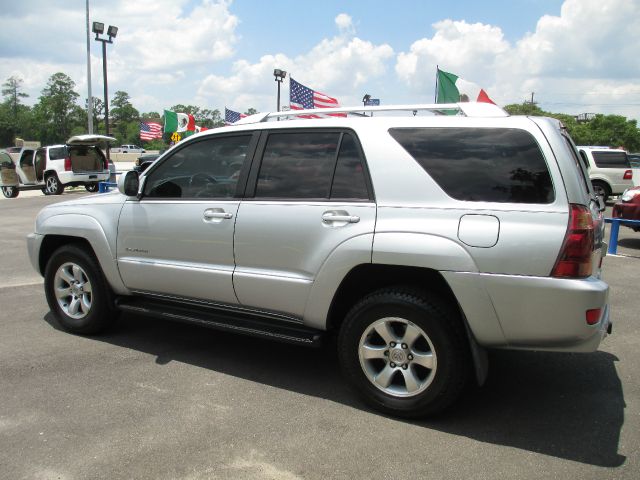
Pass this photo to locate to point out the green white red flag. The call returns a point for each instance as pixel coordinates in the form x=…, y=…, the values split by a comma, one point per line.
x=453, y=89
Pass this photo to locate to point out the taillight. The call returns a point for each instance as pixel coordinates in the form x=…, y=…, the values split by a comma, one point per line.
x=574, y=260
x=67, y=164
x=593, y=316
x=628, y=175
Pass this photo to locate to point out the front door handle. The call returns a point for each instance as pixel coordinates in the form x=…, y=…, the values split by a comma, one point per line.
x=216, y=214
x=328, y=217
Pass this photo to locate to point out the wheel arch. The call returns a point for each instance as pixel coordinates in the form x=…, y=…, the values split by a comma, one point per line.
x=60, y=230
x=366, y=278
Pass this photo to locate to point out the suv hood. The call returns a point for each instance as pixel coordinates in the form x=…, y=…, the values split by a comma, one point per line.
x=89, y=139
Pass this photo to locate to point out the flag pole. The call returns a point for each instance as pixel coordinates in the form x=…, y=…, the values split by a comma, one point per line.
x=436, y=92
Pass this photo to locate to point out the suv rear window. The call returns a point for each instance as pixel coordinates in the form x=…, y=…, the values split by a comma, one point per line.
x=481, y=164
x=611, y=159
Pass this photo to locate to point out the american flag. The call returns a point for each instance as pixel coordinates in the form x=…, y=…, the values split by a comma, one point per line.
x=232, y=117
x=150, y=130
x=303, y=98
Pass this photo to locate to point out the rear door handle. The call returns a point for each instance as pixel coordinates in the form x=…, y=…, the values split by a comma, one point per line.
x=332, y=217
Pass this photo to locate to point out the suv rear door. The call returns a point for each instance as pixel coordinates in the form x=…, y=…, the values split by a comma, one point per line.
x=308, y=193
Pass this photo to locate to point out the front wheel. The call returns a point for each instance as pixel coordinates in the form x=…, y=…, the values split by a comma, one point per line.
x=405, y=352
x=77, y=292
x=601, y=190
x=91, y=187
x=10, y=192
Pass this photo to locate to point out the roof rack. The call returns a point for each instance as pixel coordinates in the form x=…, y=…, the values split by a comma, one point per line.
x=467, y=109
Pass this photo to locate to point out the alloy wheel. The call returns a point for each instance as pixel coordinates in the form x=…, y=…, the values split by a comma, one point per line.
x=72, y=289
x=397, y=356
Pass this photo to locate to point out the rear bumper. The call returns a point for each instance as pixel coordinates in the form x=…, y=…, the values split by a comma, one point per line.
x=550, y=313
x=74, y=178
x=543, y=313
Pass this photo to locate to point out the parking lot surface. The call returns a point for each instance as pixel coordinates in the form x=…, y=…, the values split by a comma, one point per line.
x=153, y=399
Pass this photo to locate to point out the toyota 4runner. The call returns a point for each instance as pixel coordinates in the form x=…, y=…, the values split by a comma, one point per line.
x=417, y=241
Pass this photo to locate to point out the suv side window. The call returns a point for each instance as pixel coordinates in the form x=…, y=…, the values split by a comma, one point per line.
x=209, y=168
x=298, y=165
x=349, y=181
x=481, y=164
x=611, y=159
x=319, y=165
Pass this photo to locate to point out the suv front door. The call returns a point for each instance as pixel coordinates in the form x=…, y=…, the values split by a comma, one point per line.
x=177, y=240
x=309, y=194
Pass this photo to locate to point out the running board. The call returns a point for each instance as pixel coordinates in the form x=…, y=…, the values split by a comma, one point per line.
x=253, y=324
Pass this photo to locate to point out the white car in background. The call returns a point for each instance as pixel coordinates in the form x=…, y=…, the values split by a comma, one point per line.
x=78, y=162
x=609, y=170
x=128, y=149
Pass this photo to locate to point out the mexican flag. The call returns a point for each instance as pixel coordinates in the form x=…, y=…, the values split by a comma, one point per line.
x=178, y=122
x=453, y=89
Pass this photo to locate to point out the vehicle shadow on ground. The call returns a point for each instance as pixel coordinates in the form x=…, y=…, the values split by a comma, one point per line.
x=569, y=406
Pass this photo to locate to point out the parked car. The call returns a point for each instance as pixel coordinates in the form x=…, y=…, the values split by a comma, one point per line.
x=144, y=161
x=418, y=242
x=128, y=149
x=634, y=161
x=628, y=207
x=78, y=162
x=8, y=175
x=609, y=170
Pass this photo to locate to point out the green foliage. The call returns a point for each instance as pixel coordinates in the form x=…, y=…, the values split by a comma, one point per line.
x=605, y=130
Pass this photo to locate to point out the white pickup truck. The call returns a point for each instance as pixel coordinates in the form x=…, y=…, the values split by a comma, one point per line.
x=128, y=149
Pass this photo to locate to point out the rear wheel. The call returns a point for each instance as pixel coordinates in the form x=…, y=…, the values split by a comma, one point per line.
x=52, y=185
x=77, y=292
x=601, y=189
x=10, y=192
x=405, y=352
x=91, y=187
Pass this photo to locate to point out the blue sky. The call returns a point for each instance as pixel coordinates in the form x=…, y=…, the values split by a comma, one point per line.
x=576, y=55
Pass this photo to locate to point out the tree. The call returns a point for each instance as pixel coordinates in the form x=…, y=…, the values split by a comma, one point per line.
x=251, y=111
x=12, y=112
x=204, y=117
x=11, y=92
x=604, y=130
x=124, y=115
x=56, y=111
x=98, y=114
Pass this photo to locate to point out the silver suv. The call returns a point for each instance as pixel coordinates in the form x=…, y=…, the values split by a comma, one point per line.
x=417, y=241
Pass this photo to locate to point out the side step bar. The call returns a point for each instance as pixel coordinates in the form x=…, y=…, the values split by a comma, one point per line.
x=226, y=319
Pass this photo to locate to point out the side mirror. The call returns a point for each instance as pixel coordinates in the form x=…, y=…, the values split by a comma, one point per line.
x=129, y=184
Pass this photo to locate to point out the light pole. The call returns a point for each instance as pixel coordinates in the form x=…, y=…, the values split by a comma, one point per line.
x=98, y=29
x=280, y=75
x=90, y=99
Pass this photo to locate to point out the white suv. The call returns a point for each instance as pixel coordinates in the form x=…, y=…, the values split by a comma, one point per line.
x=78, y=162
x=609, y=170
x=418, y=242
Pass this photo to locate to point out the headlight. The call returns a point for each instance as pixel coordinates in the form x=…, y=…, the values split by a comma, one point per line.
x=628, y=194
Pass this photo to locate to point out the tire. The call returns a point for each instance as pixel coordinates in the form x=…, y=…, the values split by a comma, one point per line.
x=77, y=292
x=91, y=187
x=601, y=189
x=10, y=192
x=53, y=185
x=419, y=332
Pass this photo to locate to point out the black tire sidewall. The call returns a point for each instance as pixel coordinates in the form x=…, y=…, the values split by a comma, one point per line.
x=436, y=323
x=91, y=187
x=14, y=192
x=101, y=312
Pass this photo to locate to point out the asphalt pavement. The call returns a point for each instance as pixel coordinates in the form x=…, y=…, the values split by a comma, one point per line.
x=159, y=400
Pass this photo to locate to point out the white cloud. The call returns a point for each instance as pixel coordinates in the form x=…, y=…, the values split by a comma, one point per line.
x=337, y=66
x=586, y=58
x=345, y=23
